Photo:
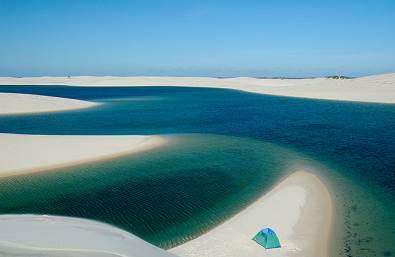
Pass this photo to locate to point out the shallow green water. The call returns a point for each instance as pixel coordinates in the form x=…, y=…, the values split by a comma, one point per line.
x=166, y=196
x=236, y=147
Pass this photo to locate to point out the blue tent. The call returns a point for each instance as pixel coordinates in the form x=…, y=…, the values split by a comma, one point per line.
x=267, y=238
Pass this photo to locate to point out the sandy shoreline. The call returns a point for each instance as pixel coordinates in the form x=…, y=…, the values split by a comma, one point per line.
x=11, y=103
x=378, y=88
x=22, y=154
x=299, y=209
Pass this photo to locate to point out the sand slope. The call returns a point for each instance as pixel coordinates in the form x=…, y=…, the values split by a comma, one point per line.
x=35, y=235
x=11, y=103
x=378, y=88
x=299, y=209
x=21, y=154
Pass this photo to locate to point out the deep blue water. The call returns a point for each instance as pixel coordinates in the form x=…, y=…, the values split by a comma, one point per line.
x=354, y=143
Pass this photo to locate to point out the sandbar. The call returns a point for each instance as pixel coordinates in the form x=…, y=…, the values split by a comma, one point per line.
x=299, y=209
x=12, y=103
x=22, y=154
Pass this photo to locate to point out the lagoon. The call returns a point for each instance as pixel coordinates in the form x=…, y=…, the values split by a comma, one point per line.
x=228, y=148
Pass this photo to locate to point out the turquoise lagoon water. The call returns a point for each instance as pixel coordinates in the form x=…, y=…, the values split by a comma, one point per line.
x=227, y=148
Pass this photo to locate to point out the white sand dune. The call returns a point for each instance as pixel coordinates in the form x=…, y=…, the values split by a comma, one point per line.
x=11, y=103
x=378, y=88
x=300, y=211
x=36, y=235
x=21, y=154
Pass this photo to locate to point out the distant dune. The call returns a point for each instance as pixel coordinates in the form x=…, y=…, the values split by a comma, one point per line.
x=378, y=88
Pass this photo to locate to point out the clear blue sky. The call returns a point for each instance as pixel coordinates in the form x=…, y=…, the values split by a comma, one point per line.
x=205, y=38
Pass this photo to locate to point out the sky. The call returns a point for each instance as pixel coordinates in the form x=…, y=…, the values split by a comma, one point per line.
x=197, y=38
